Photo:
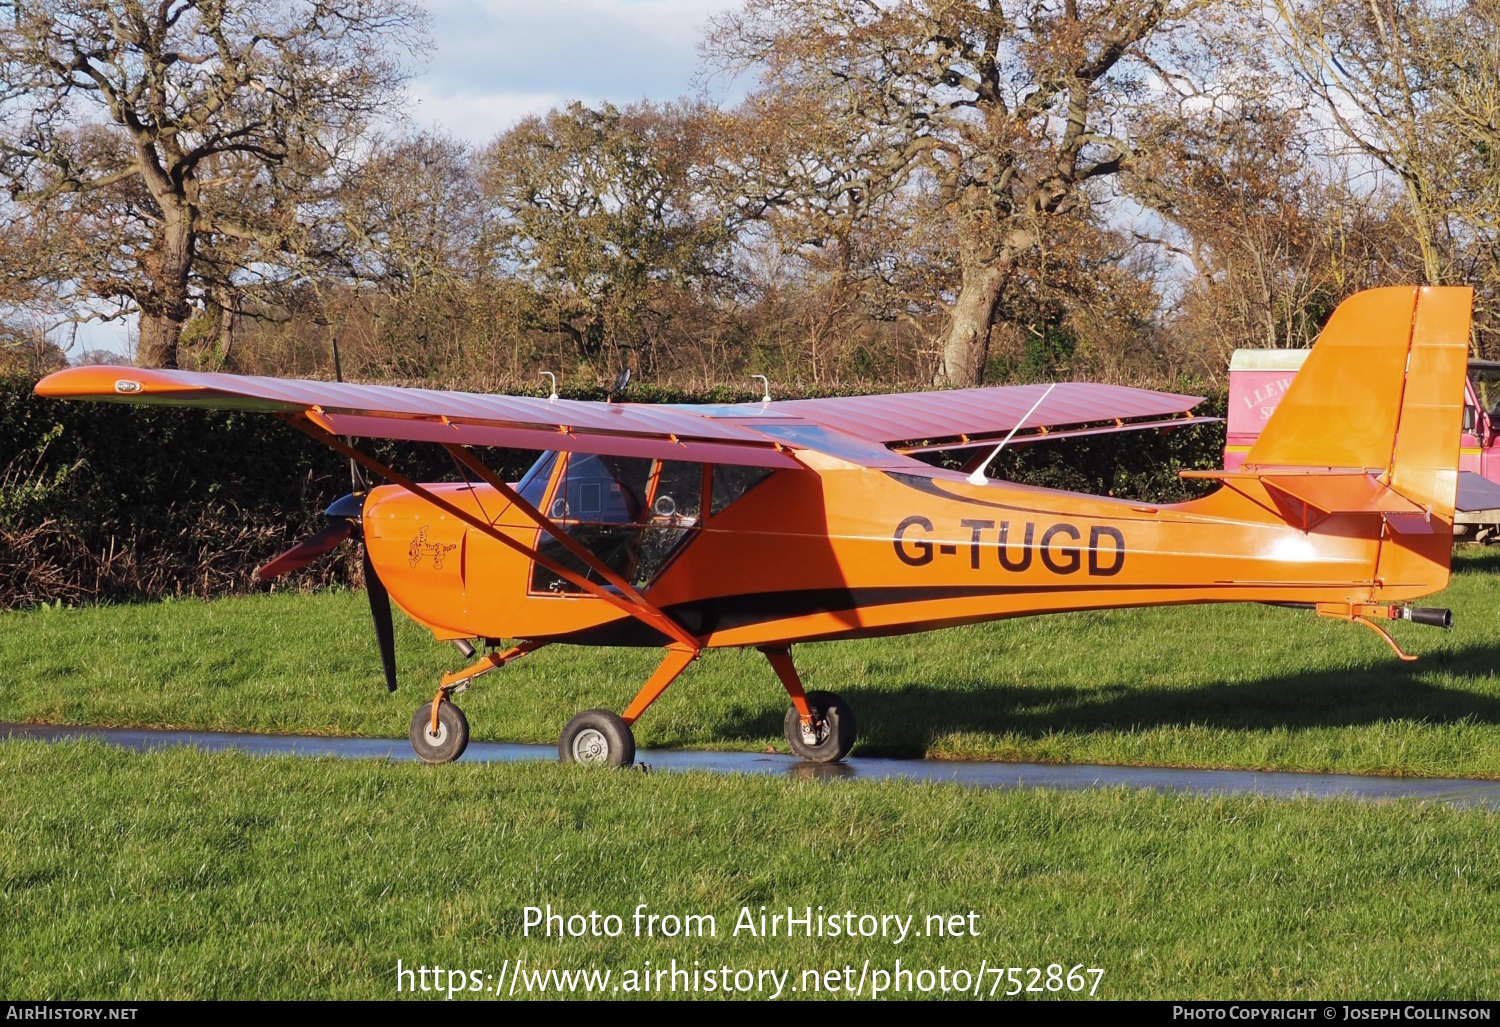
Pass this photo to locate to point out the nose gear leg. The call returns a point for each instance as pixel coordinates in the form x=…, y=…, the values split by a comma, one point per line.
x=452, y=684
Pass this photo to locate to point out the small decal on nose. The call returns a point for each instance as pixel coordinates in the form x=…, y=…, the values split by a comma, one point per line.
x=421, y=548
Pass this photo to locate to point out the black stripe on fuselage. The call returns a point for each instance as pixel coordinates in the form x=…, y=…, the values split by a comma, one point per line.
x=722, y=613
x=930, y=486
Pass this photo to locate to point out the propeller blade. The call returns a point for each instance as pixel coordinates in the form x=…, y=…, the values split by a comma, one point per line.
x=380, y=612
x=307, y=550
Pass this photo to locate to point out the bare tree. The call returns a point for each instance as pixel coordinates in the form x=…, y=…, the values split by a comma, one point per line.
x=1411, y=85
x=1007, y=109
x=1375, y=67
x=1273, y=238
x=417, y=227
x=182, y=147
x=1467, y=83
x=416, y=214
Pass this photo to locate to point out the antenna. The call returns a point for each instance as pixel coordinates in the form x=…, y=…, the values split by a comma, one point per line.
x=978, y=477
x=767, y=383
x=549, y=374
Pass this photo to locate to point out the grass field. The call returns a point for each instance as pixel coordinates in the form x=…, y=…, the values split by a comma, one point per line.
x=184, y=874
x=1229, y=686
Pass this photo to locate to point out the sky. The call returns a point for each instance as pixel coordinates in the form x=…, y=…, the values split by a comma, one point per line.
x=495, y=61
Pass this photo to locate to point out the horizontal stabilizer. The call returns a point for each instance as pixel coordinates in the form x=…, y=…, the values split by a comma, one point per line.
x=1335, y=491
x=1343, y=493
x=1411, y=523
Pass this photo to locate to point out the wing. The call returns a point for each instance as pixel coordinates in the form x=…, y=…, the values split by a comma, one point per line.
x=426, y=415
x=919, y=422
x=859, y=430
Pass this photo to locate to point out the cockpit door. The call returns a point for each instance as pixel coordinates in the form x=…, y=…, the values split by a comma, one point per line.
x=633, y=514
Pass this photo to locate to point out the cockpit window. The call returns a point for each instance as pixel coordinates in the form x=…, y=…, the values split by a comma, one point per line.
x=732, y=481
x=632, y=514
x=1487, y=385
x=677, y=498
x=601, y=489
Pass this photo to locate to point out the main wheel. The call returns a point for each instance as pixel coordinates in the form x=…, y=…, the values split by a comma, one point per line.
x=830, y=736
x=597, y=736
x=452, y=736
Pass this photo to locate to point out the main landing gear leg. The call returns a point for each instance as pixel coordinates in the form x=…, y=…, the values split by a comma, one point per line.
x=600, y=736
x=820, y=725
x=439, y=731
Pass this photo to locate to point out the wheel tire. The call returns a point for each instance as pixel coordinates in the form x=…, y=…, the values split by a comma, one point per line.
x=597, y=737
x=452, y=737
x=834, y=735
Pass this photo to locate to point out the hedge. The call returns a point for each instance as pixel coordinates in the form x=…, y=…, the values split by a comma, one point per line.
x=106, y=502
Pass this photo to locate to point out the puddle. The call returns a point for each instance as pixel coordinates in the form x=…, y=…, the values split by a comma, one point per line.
x=978, y=774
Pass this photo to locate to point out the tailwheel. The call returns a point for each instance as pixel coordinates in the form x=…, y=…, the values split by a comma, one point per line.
x=597, y=737
x=448, y=742
x=831, y=734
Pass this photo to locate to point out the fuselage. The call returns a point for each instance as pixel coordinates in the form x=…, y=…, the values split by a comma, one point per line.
x=839, y=551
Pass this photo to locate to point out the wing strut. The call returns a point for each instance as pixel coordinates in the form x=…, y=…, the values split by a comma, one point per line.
x=633, y=603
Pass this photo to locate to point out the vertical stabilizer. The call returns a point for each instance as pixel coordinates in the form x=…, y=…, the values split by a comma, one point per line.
x=1382, y=391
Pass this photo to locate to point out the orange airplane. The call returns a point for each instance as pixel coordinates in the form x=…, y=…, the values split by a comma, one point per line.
x=774, y=523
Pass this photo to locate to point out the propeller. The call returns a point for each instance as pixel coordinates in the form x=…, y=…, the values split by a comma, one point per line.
x=344, y=522
x=380, y=612
x=307, y=550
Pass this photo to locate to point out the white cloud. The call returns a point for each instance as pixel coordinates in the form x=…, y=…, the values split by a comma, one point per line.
x=474, y=116
x=496, y=61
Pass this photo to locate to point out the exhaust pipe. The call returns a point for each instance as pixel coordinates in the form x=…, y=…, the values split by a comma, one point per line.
x=1432, y=616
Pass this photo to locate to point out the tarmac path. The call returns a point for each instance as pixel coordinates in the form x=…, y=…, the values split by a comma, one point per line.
x=979, y=774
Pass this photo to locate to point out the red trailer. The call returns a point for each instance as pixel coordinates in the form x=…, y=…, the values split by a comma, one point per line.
x=1258, y=378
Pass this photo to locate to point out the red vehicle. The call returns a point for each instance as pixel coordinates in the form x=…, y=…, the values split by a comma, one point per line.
x=1258, y=378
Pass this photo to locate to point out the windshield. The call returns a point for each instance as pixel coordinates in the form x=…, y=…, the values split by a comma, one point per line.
x=533, y=484
x=1487, y=386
